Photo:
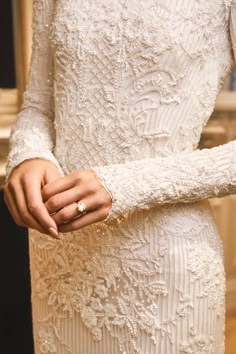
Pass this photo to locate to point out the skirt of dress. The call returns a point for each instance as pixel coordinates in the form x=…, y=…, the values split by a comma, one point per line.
x=151, y=282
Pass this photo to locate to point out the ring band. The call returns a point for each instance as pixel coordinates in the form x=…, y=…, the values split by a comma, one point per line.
x=81, y=207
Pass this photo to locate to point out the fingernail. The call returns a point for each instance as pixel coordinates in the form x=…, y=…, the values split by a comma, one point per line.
x=53, y=232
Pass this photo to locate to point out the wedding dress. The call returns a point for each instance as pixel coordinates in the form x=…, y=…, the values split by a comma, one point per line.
x=125, y=87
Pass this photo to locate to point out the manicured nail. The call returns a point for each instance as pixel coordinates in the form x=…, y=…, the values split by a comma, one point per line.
x=53, y=232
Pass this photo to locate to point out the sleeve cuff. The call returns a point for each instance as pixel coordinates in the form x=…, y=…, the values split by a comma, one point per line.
x=14, y=159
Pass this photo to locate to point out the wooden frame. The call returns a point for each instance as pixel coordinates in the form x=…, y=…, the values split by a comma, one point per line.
x=22, y=19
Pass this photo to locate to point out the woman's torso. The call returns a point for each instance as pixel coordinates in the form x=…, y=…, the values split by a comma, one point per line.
x=135, y=79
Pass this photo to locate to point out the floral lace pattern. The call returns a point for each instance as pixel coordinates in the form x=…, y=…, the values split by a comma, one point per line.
x=125, y=87
x=116, y=279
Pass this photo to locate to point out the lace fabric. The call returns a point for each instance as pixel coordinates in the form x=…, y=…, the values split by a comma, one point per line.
x=125, y=87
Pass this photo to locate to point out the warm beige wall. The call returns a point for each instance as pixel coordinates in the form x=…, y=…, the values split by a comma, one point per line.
x=22, y=15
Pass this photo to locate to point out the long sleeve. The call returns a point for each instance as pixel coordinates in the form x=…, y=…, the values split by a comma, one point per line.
x=33, y=134
x=185, y=177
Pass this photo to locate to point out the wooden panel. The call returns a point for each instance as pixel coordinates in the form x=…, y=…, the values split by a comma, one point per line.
x=226, y=101
x=230, y=335
x=22, y=16
x=224, y=209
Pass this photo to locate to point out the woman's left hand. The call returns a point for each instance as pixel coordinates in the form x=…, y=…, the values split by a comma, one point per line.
x=62, y=196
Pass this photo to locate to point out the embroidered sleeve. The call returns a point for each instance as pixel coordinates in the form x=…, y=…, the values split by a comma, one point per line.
x=184, y=177
x=33, y=133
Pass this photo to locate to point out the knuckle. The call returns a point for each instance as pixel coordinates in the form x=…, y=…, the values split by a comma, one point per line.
x=45, y=192
x=54, y=203
x=34, y=206
x=99, y=200
x=26, y=176
x=102, y=198
x=11, y=185
x=63, y=215
x=92, y=187
x=106, y=197
x=25, y=216
x=78, y=176
x=92, y=172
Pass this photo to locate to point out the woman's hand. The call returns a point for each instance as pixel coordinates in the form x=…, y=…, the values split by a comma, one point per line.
x=22, y=194
x=61, y=198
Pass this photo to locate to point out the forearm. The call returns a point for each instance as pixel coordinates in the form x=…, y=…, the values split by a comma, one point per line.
x=33, y=134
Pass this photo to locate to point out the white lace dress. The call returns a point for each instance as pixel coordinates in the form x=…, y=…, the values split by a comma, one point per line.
x=125, y=87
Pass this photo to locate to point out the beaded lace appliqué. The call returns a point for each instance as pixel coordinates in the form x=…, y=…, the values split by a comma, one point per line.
x=127, y=82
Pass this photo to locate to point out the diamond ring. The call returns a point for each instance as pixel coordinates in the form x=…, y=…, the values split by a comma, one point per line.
x=81, y=207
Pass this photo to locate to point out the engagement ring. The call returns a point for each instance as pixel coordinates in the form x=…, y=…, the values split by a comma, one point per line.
x=81, y=207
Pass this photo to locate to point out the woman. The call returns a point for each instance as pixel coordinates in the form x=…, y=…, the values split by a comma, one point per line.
x=104, y=158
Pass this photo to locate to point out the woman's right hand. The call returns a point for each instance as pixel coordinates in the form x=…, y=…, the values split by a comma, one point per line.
x=22, y=194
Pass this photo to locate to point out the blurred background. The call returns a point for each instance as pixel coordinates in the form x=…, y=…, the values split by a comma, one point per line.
x=15, y=309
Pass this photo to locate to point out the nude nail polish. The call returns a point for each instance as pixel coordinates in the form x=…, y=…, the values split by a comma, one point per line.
x=53, y=232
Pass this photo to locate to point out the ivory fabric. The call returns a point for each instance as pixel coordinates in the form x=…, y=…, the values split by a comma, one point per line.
x=125, y=87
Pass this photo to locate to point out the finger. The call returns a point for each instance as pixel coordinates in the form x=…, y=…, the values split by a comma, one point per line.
x=19, y=203
x=36, y=207
x=57, y=186
x=61, y=200
x=25, y=213
x=13, y=210
x=71, y=212
x=84, y=220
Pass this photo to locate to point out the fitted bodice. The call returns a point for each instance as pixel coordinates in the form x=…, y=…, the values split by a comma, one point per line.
x=135, y=78
x=124, y=87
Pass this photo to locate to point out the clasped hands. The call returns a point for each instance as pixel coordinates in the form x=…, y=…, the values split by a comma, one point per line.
x=39, y=198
